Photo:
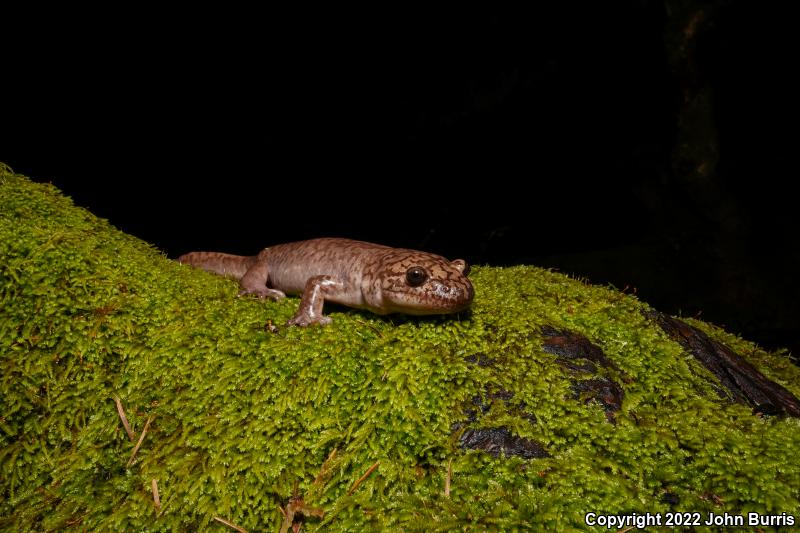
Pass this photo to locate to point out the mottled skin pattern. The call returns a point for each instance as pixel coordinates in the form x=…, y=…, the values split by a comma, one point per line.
x=353, y=273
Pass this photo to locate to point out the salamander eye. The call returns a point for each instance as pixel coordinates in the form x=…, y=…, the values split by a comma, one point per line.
x=416, y=276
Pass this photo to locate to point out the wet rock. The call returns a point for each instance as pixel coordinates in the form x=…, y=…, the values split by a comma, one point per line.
x=479, y=359
x=670, y=498
x=743, y=382
x=500, y=394
x=572, y=347
x=585, y=367
x=602, y=390
x=496, y=440
x=530, y=417
x=484, y=403
x=577, y=353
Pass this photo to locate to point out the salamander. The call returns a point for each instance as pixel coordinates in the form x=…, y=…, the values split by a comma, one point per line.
x=357, y=274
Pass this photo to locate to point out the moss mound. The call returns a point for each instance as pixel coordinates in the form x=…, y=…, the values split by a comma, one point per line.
x=248, y=423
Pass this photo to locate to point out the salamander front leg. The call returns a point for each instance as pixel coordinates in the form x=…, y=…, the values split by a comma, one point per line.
x=314, y=294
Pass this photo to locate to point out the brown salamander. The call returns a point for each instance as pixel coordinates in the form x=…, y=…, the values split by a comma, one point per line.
x=353, y=273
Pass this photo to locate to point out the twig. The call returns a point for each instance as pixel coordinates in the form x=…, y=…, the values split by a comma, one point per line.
x=121, y=411
x=324, y=468
x=373, y=328
x=297, y=505
x=447, y=478
x=76, y=521
x=230, y=525
x=156, y=497
x=288, y=520
x=141, y=438
x=362, y=478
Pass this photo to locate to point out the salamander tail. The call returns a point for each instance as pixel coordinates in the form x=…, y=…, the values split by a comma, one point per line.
x=228, y=265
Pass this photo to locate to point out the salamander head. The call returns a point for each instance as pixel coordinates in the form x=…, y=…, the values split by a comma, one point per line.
x=418, y=283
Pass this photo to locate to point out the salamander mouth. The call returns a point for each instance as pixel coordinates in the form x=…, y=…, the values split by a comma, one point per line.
x=441, y=300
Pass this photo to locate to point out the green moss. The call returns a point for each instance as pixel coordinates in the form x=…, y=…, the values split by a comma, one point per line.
x=243, y=418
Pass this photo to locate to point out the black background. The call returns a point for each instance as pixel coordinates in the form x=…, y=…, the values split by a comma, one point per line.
x=542, y=137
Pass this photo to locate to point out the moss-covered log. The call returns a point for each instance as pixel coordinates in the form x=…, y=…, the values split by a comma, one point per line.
x=359, y=425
